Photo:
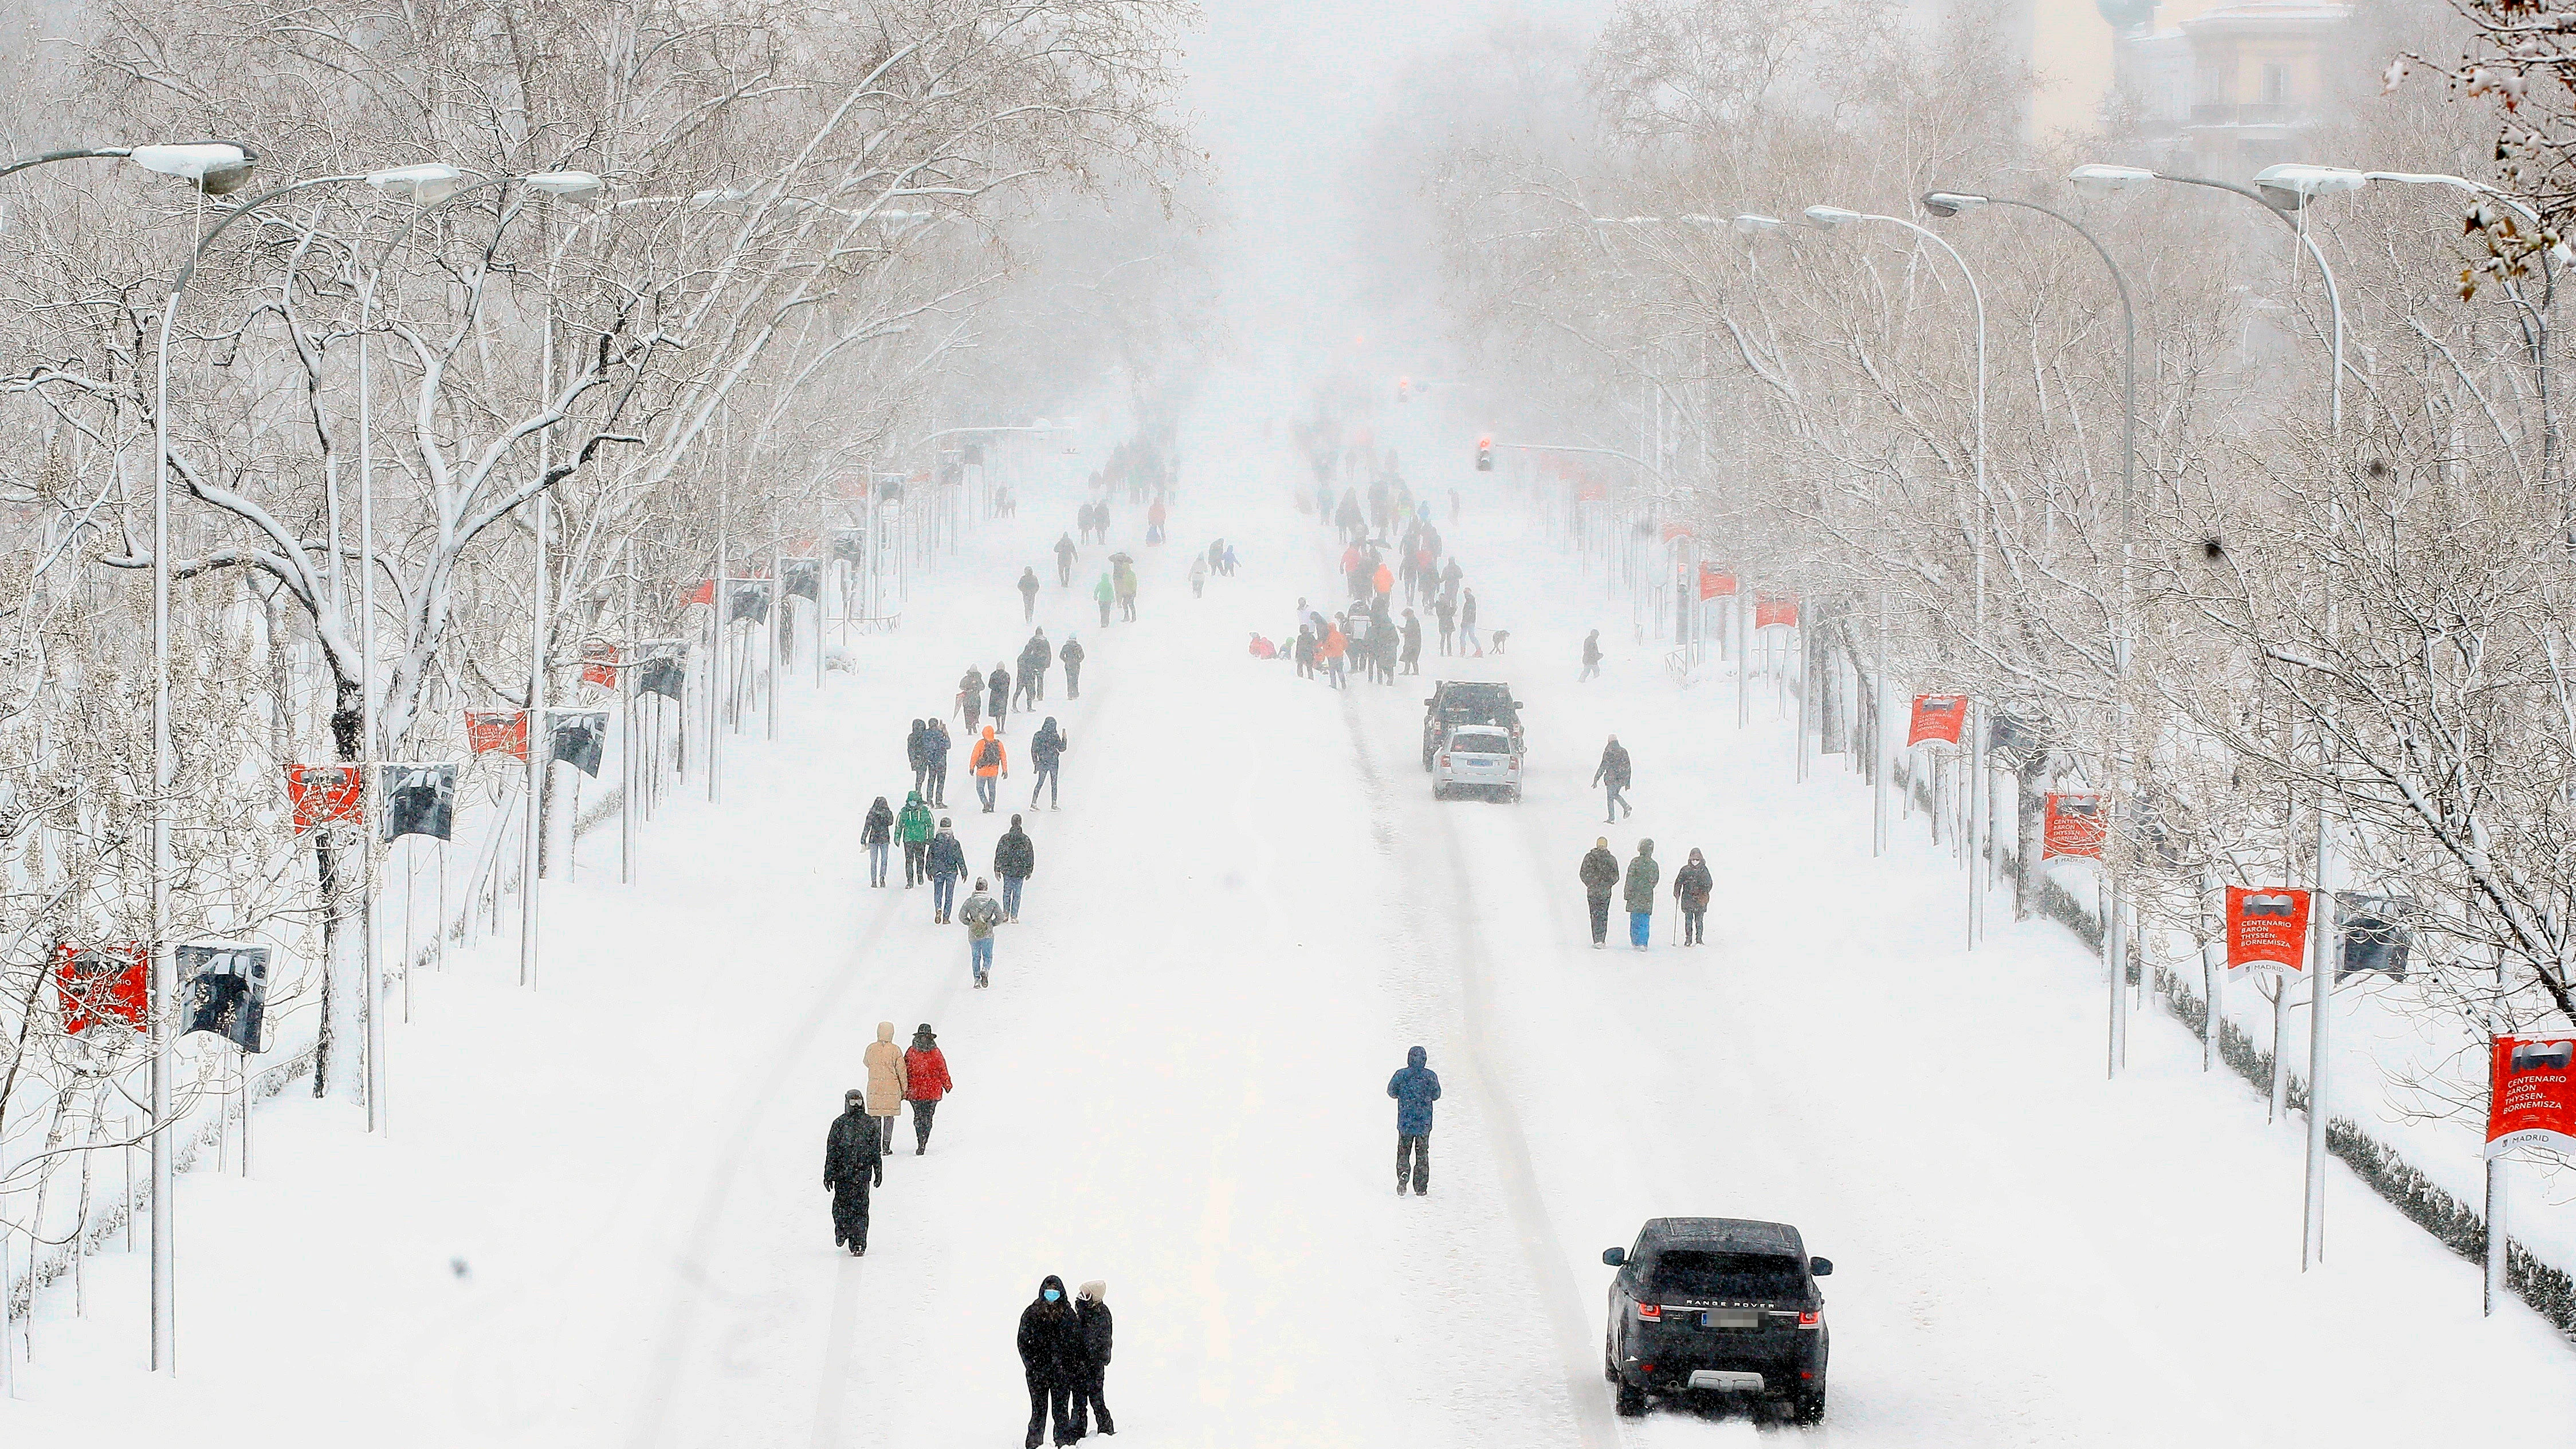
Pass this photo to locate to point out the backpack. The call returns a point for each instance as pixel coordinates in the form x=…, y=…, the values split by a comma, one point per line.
x=981, y=757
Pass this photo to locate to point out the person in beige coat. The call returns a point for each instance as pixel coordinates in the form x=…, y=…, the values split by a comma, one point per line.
x=885, y=1082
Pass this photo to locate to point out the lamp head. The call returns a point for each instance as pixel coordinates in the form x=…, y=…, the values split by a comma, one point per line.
x=566, y=185
x=1753, y=222
x=1947, y=204
x=2097, y=180
x=2290, y=186
x=426, y=184
x=213, y=167
x=1830, y=217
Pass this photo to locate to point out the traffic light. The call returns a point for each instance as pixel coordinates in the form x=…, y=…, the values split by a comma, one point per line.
x=1485, y=455
x=1404, y=389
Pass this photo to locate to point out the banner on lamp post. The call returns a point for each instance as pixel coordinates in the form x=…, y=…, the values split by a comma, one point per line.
x=417, y=800
x=599, y=665
x=227, y=991
x=1775, y=611
x=579, y=735
x=750, y=600
x=704, y=593
x=2267, y=930
x=1938, y=719
x=802, y=577
x=658, y=670
x=2372, y=934
x=487, y=730
x=97, y=986
x=1715, y=582
x=2071, y=826
x=2531, y=1093
x=322, y=794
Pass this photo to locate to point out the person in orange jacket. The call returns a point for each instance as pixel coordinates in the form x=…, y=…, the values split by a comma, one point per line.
x=1383, y=581
x=1335, y=645
x=989, y=761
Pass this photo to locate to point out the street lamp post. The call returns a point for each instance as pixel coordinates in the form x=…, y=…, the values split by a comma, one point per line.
x=1980, y=808
x=2124, y=635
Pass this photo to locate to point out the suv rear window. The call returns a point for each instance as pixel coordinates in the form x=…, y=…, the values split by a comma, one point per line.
x=1480, y=744
x=1698, y=1273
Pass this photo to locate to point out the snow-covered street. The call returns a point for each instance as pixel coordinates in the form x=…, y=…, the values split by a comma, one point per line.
x=599, y=1221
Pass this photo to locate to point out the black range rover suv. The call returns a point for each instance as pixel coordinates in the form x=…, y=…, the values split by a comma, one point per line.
x=1717, y=1304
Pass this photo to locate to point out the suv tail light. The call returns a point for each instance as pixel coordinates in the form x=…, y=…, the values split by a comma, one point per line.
x=1444, y=762
x=1812, y=1319
x=1650, y=1313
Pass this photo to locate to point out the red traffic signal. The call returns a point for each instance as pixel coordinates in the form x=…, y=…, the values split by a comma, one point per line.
x=1485, y=454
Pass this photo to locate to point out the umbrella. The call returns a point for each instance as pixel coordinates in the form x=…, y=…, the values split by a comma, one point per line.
x=1120, y=558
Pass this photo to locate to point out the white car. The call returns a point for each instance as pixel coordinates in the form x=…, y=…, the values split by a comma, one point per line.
x=1478, y=758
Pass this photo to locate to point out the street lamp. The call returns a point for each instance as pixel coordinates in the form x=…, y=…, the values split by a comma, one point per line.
x=1980, y=807
x=1949, y=204
x=214, y=168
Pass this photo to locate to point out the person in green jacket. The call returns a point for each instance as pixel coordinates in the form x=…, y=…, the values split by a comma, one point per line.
x=913, y=828
x=1106, y=594
x=1643, y=875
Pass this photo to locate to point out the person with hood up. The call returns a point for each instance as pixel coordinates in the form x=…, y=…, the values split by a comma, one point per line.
x=934, y=748
x=1414, y=1089
x=947, y=861
x=1015, y=859
x=1643, y=873
x=1127, y=592
x=913, y=827
x=1382, y=582
x=1028, y=587
x=998, y=702
x=1051, y=1360
x=853, y=1163
x=1155, y=517
x=1448, y=612
x=1467, y=625
x=1035, y=656
x=1303, y=651
x=1231, y=562
x=981, y=913
x=990, y=762
x=916, y=753
x=877, y=834
x=1691, y=887
x=1591, y=656
x=925, y=1083
x=1105, y=595
x=970, y=697
x=1198, y=577
x=1600, y=875
x=885, y=1082
x=1412, y=643
x=1064, y=552
x=1091, y=1307
x=1613, y=773
x=1046, y=751
x=1336, y=645
x=1070, y=656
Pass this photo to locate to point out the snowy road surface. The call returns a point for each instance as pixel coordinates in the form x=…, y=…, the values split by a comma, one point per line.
x=599, y=1219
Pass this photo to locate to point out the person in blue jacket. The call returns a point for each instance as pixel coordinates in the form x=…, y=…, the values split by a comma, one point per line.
x=1414, y=1090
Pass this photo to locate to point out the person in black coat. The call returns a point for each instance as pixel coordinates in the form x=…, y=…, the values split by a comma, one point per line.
x=1015, y=859
x=1412, y=643
x=947, y=861
x=877, y=834
x=1091, y=1307
x=934, y=751
x=1070, y=656
x=999, y=700
x=1591, y=656
x=1614, y=774
x=1600, y=875
x=1064, y=552
x=916, y=753
x=1028, y=593
x=1046, y=751
x=1051, y=1360
x=853, y=1162
x=1035, y=656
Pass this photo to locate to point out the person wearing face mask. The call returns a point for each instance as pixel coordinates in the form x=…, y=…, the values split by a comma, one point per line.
x=1051, y=1360
x=853, y=1163
x=1692, y=888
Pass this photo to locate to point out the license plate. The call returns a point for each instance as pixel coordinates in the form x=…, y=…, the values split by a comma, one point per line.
x=1731, y=1318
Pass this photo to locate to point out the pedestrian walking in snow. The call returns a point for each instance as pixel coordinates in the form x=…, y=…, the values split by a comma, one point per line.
x=1028, y=593
x=1198, y=578
x=877, y=834
x=1691, y=889
x=1414, y=1089
x=853, y=1163
x=1231, y=562
x=1051, y=1361
x=970, y=697
x=998, y=697
x=1643, y=873
x=1046, y=752
x=935, y=746
x=1336, y=645
x=1591, y=655
x=1467, y=625
x=1600, y=875
x=1412, y=643
x=1613, y=775
x=1035, y=656
x=1303, y=651
x=1064, y=552
x=916, y=753
x=914, y=828
x=1015, y=859
x=1105, y=594
x=1154, y=520
x=981, y=913
x=925, y=1083
x=991, y=762
x=885, y=1082
x=1070, y=656
x=1127, y=592
x=1091, y=1307
x=1448, y=613
x=947, y=861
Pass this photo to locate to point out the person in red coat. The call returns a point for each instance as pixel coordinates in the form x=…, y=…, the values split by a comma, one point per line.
x=925, y=1081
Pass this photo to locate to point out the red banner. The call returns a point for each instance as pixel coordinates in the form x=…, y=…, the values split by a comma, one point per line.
x=2072, y=826
x=706, y=593
x=2267, y=930
x=599, y=665
x=1938, y=719
x=1715, y=583
x=322, y=794
x=497, y=729
x=98, y=986
x=1770, y=610
x=2531, y=1094
x=1676, y=530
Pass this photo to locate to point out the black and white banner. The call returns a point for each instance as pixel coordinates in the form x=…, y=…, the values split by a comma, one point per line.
x=227, y=991
x=579, y=736
x=418, y=800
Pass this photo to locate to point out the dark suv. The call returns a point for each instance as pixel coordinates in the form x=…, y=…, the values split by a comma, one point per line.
x=1460, y=702
x=1717, y=1304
